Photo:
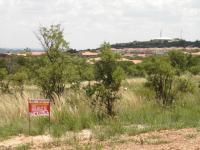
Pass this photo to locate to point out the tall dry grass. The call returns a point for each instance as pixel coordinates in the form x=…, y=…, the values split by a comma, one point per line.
x=13, y=106
x=73, y=112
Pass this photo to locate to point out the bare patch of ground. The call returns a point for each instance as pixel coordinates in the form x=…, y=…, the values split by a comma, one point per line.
x=23, y=140
x=182, y=139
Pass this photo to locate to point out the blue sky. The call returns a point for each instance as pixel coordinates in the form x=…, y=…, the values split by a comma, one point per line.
x=88, y=23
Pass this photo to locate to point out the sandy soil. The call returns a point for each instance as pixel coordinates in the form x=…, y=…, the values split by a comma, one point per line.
x=182, y=139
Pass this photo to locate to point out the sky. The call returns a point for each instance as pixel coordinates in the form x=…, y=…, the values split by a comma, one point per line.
x=88, y=23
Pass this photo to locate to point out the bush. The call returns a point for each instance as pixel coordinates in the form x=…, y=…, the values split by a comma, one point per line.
x=160, y=78
x=179, y=60
x=195, y=70
x=52, y=76
x=4, y=83
x=109, y=77
x=184, y=84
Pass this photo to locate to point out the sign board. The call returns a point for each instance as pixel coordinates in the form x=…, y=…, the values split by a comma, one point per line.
x=39, y=107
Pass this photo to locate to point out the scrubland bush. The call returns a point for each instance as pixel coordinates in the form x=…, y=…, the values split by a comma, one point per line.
x=167, y=75
x=184, y=84
x=52, y=75
x=160, y=78
x=195, y=70
x=109, y=77
x=4, y=84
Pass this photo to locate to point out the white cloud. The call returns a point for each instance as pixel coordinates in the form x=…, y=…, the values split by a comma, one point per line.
x=87, y=23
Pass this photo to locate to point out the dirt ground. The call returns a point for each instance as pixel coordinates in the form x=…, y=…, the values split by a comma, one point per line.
x=182, y=139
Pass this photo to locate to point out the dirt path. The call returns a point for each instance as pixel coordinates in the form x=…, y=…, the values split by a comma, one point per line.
x=183, y=139
x=21, y=140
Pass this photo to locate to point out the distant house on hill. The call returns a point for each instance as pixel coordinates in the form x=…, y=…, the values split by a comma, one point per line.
x=141, y=55
x=117, y=50
x=128, y=55
x=133, y=61
x=37, y=53
x=21, y=54
x=89, y=54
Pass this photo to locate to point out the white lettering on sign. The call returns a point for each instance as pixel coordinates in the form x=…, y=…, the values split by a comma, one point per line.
x=39, y=107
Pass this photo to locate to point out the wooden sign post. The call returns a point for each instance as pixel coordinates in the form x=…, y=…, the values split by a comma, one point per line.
x=37, y=108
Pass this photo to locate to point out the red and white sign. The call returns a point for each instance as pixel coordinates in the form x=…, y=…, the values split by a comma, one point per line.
x=39, y=107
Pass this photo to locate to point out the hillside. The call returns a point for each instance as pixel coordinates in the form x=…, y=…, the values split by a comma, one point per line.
x=157, y=43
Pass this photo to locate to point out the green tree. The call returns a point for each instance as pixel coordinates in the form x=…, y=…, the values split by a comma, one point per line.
x=14, y=72
x=3, y=77
x=180, y=61
x=73, y=69
x=51, y=77
x=18, y=79
x=195, y=65
x=109, y=77
x=160, y=78
x=53, y=42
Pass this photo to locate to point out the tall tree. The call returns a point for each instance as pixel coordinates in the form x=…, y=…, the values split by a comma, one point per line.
x=160, y=78
x=109, y=77
x=180, y=61
x=53, y=42
x=52, y=75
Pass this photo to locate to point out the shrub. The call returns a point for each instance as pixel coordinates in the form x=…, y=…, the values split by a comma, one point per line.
x=52, y=75
x=19, y=79
x=184, y=84
x=109, y=77
x=4, y=84
x=179, y=60
x=160, y=78
x=195, y=70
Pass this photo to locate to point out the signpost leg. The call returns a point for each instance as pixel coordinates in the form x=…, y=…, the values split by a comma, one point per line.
x=49, y=118
x=29, y=118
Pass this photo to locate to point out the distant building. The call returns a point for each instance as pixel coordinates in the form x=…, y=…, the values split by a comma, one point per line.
x=37, y=53
x=89, y=54
x=141, y=55
x=128, y=55
x=22, y=54
x=117, y=50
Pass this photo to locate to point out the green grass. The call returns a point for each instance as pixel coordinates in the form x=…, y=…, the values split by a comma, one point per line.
x=155, y=116
x=111, y=128
x=72, y=122
x=184, y=112
x=21, y=126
